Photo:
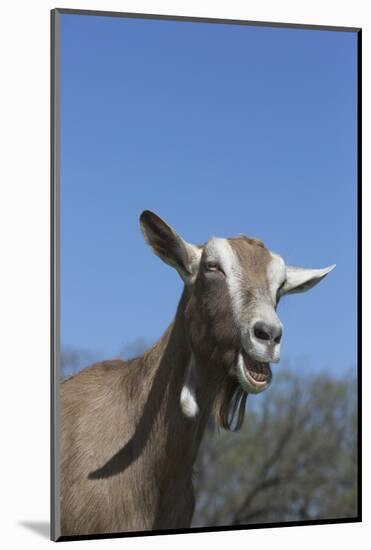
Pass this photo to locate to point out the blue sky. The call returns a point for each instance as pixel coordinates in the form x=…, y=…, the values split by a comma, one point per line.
x=221, y=130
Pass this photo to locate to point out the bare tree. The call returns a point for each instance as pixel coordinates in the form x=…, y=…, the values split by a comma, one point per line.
x=74, y=359
x=295, y=458
x=134, y=348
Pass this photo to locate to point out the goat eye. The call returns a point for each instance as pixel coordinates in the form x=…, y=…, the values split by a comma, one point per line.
x=212, y=266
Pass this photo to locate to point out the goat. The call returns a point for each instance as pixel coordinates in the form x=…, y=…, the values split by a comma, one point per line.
x=131, y=430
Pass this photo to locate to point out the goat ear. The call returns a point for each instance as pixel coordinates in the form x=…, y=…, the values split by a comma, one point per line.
x=299, y=279
x=169, y=246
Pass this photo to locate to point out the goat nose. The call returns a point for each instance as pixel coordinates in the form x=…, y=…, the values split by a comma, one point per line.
x=269, y=333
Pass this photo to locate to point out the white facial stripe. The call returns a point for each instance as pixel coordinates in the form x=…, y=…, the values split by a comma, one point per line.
x=264, y=311
x=220, y=250
x=276, y=273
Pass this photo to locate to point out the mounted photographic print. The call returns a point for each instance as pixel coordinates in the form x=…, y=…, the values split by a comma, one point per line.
x=205, y=195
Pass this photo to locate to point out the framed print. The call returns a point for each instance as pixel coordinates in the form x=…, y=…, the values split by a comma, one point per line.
x=206, y=250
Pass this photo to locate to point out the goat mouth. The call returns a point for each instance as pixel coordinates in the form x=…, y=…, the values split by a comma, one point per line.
x=254, y=376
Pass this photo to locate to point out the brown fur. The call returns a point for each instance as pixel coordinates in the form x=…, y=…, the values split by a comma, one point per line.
x=127, y=449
